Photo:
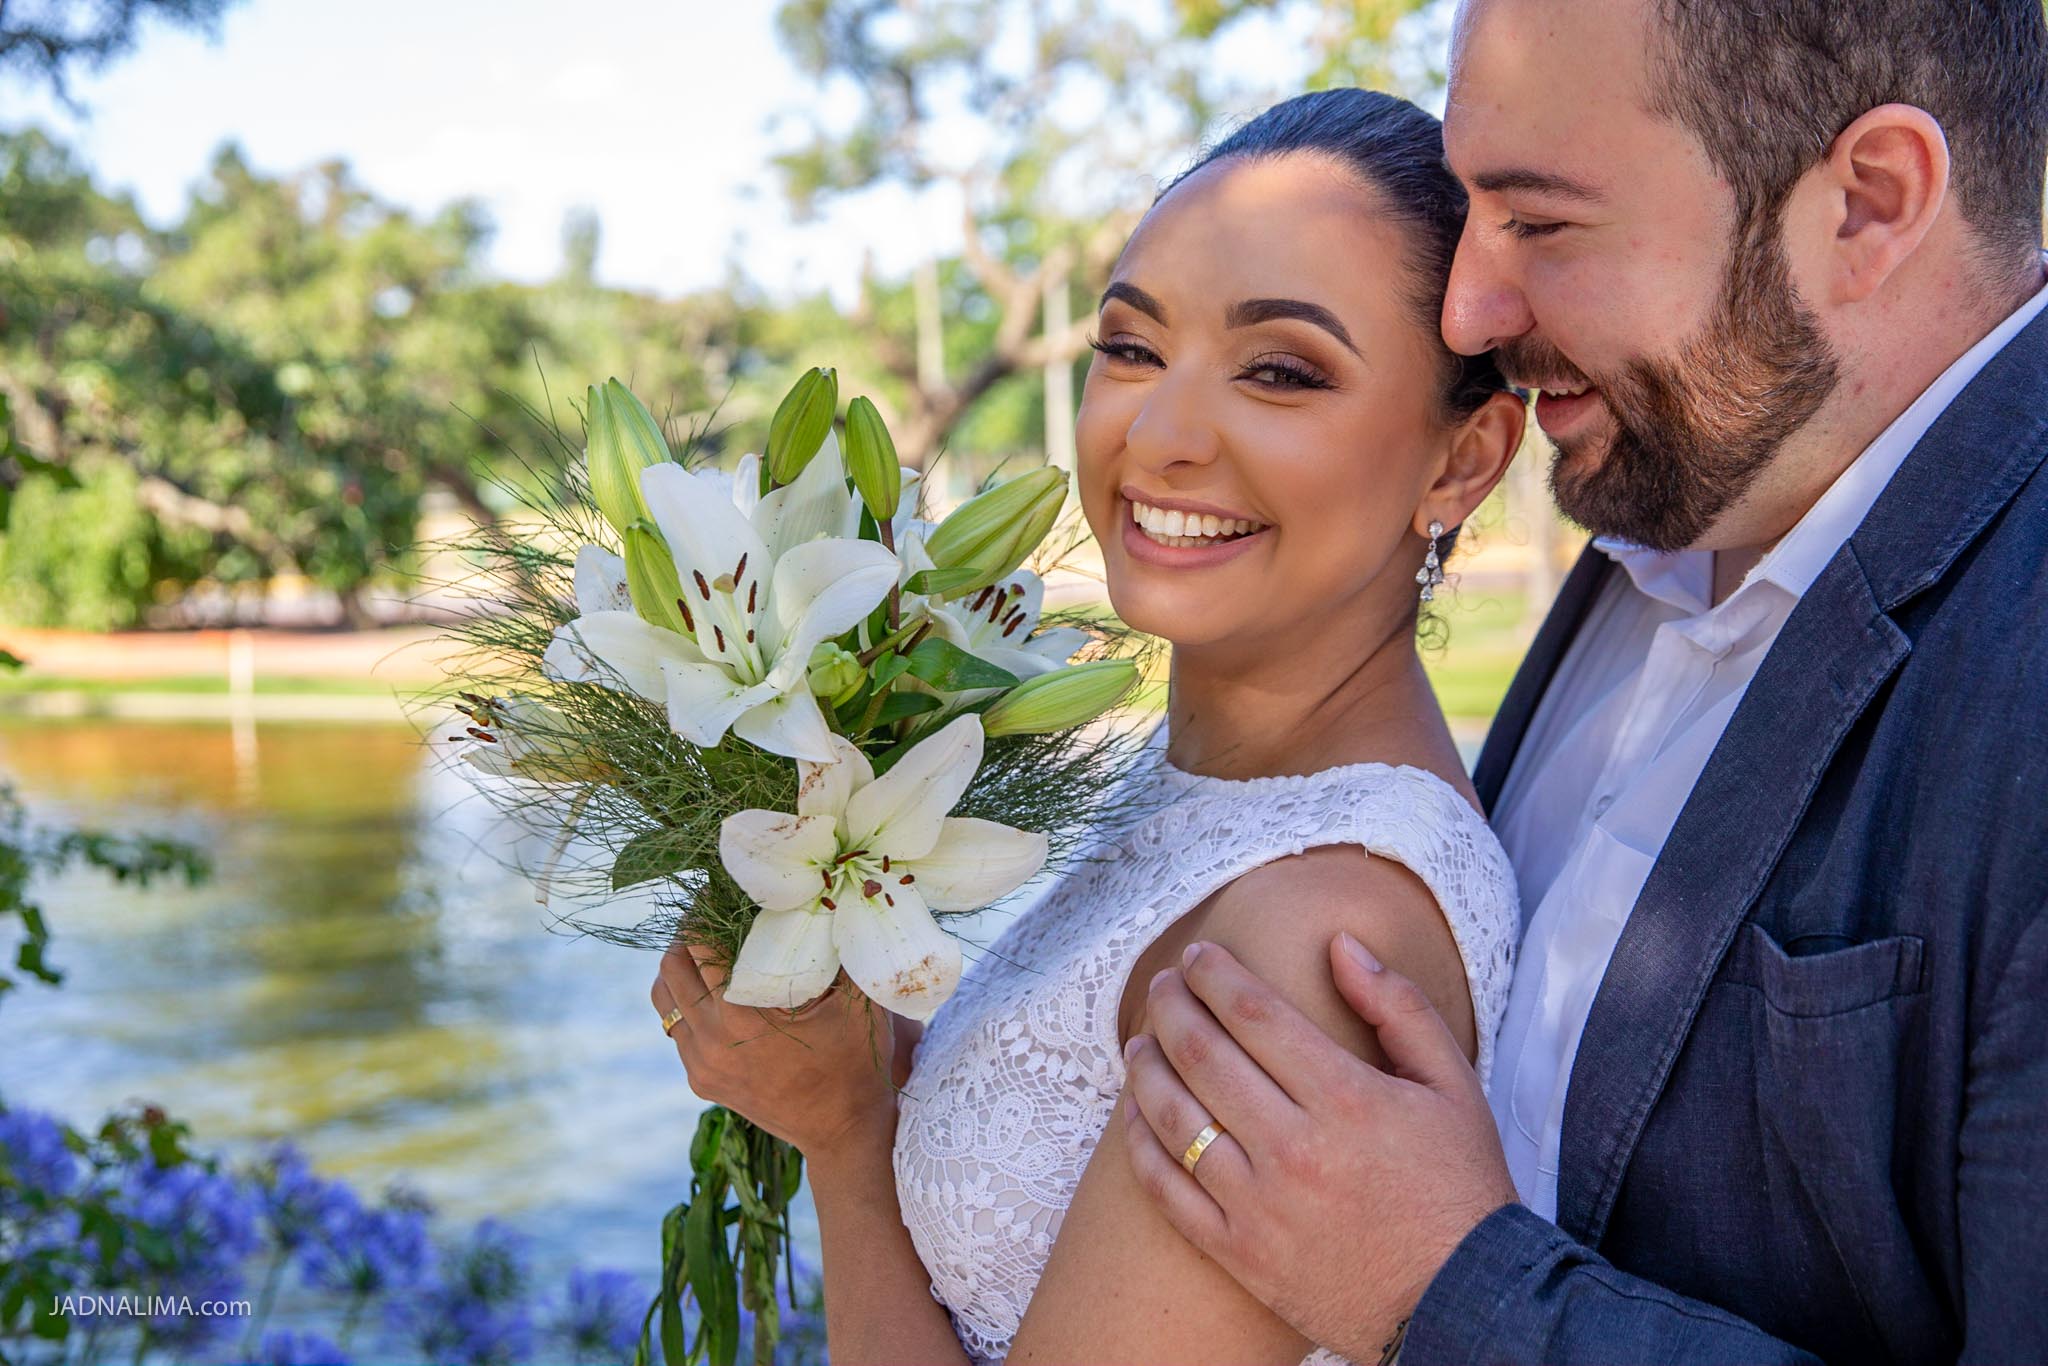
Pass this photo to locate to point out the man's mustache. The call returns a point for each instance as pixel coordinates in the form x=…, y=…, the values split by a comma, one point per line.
x=1533, y=363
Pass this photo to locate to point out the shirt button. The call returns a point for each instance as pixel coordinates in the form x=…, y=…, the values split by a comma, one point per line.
x=1600, y=807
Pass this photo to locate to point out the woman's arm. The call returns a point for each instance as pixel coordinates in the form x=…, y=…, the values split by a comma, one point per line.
x=1122, y=1285
x=822, y=1080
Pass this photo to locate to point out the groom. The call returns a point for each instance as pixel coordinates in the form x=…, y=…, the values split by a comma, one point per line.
x=1773, y=1079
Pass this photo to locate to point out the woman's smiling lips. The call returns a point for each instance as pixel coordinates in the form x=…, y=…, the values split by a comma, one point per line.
x=1179, y=533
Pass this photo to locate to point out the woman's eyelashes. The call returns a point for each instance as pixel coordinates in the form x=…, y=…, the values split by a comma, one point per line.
x=1282, y=371
x=1273, y=370
x=1125, y=350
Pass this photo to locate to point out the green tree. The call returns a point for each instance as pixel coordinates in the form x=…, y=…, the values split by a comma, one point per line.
x=1072, y=110
x=45, y=40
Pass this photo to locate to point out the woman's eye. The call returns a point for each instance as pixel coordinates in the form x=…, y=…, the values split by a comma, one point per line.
x=1284, y=372
x=1130, y=352
x=1516, y=227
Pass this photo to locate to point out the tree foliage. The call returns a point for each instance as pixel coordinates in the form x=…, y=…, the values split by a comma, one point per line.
x=46, y=39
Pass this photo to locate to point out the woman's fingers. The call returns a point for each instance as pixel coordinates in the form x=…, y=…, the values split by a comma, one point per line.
x=664, y=1002
x=706, y=963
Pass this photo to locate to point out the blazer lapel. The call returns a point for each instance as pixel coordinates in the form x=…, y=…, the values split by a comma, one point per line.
x=1833, y=655
x=1504, y=737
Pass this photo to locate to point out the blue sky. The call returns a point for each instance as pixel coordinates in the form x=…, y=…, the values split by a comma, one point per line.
x=657, y=115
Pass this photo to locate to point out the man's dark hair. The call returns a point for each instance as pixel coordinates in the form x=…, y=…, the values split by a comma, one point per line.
x=1767, y=86
x=1397, y=150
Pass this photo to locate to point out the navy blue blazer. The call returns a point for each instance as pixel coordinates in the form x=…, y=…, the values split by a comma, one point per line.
x=1809, y=1113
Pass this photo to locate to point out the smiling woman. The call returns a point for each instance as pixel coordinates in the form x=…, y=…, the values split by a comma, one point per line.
x=1271, y=436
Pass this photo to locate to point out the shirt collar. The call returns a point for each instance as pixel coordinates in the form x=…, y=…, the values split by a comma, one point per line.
x=1685, y=578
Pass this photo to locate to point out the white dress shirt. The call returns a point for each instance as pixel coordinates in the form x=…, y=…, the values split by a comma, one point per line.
x=1621, y=736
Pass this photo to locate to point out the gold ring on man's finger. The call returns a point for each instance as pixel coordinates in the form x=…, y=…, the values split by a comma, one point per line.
x=1210, y=1133
x=671, y=1020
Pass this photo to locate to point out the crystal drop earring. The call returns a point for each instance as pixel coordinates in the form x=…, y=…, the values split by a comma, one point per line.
x=1432, y=572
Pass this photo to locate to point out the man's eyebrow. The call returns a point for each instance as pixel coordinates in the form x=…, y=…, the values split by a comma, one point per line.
x=1537, y=182
x=1136, y=298
x=1248, y=312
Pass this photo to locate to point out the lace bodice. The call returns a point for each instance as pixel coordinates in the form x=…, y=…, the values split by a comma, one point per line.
x=1018, y=1074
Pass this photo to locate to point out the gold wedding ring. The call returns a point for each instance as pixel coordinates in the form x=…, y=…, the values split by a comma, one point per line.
x=670, y=1020
x=1210, y=1133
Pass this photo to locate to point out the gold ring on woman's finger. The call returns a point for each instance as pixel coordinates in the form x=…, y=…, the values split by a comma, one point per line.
x=671, y=1020
x=1210, y=1133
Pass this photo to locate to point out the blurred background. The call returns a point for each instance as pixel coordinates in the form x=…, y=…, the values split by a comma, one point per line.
x=291, y=293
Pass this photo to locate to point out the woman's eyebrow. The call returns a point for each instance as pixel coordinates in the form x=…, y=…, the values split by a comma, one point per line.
x=1248, y=312
x=1136, y=298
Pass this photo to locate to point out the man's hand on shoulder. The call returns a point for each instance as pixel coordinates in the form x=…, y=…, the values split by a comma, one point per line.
x=1338, y=1189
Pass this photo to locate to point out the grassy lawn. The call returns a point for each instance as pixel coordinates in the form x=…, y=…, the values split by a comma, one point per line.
x=1482, y=645
x=1479, y=645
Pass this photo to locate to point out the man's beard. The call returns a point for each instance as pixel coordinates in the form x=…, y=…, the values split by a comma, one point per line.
x=1691, y=434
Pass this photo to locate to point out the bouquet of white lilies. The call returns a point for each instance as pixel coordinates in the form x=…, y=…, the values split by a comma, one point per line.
x=814, y=724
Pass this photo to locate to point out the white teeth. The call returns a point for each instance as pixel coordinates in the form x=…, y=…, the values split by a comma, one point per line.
x=1175, y=528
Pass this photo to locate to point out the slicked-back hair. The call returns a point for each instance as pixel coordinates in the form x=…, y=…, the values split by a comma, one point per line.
x=1767, y=86
x=1396, y=150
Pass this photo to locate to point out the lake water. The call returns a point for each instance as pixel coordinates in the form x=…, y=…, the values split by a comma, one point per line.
x=361, y=975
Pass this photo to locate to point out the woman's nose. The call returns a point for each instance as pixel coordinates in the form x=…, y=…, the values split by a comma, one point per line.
x=1171, y=429
x=1484, y=305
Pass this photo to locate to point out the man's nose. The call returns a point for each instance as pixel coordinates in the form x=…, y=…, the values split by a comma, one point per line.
x=1484, y=305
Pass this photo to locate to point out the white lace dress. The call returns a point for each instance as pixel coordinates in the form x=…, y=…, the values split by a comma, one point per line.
x=1019, y=1073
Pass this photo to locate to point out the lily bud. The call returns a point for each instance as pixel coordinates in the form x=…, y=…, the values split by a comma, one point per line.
x=622, y=439
x=801, y=421
x=651, y=579
x=1062, y=699
x=871, y=460
x=994, y=532
x=835, y=672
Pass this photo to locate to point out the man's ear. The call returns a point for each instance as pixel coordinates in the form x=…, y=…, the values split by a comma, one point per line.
x=1481, y=448
x=1880, y=190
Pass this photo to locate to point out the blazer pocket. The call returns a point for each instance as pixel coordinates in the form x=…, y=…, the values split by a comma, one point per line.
x=1830, y=983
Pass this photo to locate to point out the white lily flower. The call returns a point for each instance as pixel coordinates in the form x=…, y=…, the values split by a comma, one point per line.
x=993, y=623
x=759, y=594
x=852, y=879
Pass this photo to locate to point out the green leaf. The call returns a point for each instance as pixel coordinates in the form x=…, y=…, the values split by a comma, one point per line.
x=703, y=1246
x=668, y=1295
x=939, y=581
x=949, y=668
x=658, y=853
x=905, y=704
x=889, y=667
x=708, y=1140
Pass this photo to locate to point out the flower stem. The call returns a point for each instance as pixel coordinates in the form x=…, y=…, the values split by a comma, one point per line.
x=887, y=531
x=263, y=1303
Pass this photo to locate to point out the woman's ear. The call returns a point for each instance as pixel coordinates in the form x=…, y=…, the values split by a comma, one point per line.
x=1481, y=448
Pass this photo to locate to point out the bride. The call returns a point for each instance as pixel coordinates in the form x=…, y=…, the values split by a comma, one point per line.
x=1271, y=441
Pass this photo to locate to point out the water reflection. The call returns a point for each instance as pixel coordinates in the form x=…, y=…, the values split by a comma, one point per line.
x=360, y=975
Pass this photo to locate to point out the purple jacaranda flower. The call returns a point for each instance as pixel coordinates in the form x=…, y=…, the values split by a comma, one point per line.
x=370, y=1252
x=190, y=1312
x=453, y=1328
x=602, y=1315
x=191, y=1223
x=297, y=1206
x=34, y=1157
x=473, y=1312
x=491, y=1266
x=284, y=1348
